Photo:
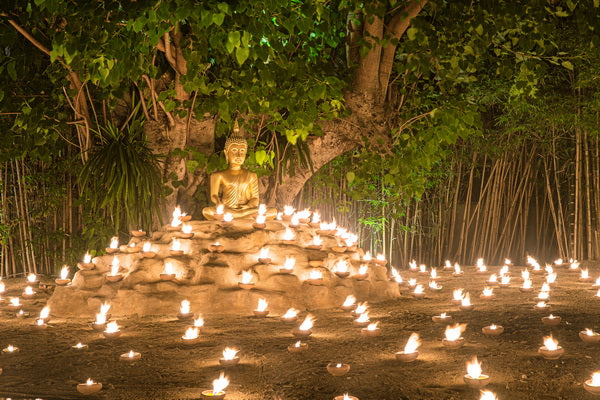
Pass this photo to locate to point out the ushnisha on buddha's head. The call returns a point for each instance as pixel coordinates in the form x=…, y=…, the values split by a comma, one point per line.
x=236, y=148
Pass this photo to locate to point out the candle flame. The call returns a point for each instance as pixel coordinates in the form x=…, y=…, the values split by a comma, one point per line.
x=45, y=312
x=551, y=316
x=457, y=269
x=505, y=280
x=317, y=241
x=541, y=304
x=595, y=379
x=289, y=263
x=507, y=261
x=14, y=301
x=550, y=343
x=531, y=260
x=380, y=257
x=262, y=305
x=316, y=274
x=412, y=282
x=397, y=276
x=574, y=265
x=199, y=322
x=228, y=217
x=457, y=294
x=443, y=315
x=525, y=274
x=487, y=395
x=114, y=242
x=220, y=209
x=100, y=319
x=39, y=322
x=589, y=332
x=79, y=345
x=112, y=327
x=29, y=291
x=264, y=253
x=419, y=289
x=412, y=265
x=290, y=313
x=466, y=300
x=104, y=308
x=373, y=326
x=493, y=327
x=169, y=270
x=350, y=300
x=585, y=274
x=186, y=228
x=493, y=278
x=247, y=277
x=315, y=218
x=115, y=262
x=527, y=284
x=307, y=324
x=447, y=264
x=191, y=333
x=185, y=307
x=434, y=285
x=488, y=291
x=474, y=368
x=220, y=384
x=229, y=353
x=413, y=343
x=64, y=273
x=89, y=382
x=288, y=210
x=367, y=257
x=480, y=263
x=422, y=268
x=262, y=210
x=298, y=344
x=361, y=308
x=114, y=269
x=176, y=245
x=363, y=269
x=551, y=278
x=87, y=258
x=289, y=234
x=543, y=295
x=453, y=332
x=295, y=221
x=364, y=317
x=549, y=269
x=341, y=266
x=433, y=273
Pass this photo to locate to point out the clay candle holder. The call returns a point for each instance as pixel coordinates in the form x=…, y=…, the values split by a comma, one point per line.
x=22, y=314
x=359, y=309
x=316, y=244
x=315, y=278
x=176, y=249
x=589, y=336
x=131, y=356
x=298, y=347
x=551, y=350
x=305, y=328
x=114, y=245
x=186, y=232
x=338, y=369
x=492, y=330
x=80, y=346
x=363, y=273
x=147, y=250
x=290, y=315
x=349, y=304
x=114, y=275
x=442, y=318
x=458, y=272
x=64, y=277
x=216, y=247
x=218, y=390
x=112, y=330
x=465, y=304
x=138, y=233
x=371, y=330
x=457, y=296
x=410, y=353
x=341, y=269
x=133, y=248
x=315, y=220
x=474, y=378
x=229, y=358
x=551, y=320
x=40, y=324
x=488, y=294
x=90, y=387
x=261, y=310
x=418, y=292
x=592, y=385
x=380, y=260
x=315, y=263
x=541, y=306
x=433, y=285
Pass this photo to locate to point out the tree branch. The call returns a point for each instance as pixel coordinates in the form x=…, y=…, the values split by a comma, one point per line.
x=396, y=28
x=366, y=79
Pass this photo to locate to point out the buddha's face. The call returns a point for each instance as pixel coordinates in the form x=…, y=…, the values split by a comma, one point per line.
x=236, y=154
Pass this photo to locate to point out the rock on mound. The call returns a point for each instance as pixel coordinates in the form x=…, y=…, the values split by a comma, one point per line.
x=210, y=280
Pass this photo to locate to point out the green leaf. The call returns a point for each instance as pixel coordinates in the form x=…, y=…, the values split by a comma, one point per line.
x=596, y=3
x=138, y=25
x=233, y=41
x=567, y=64
x=218, y=18
x=350, y=176
x=412, y=33
x=479, y=30
x=241, y=54
x=223, y=7
x=1, y=94
x=12, y=72
x=260, y=156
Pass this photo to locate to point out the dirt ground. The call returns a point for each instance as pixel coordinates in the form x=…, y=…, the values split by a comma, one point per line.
x=47, y=367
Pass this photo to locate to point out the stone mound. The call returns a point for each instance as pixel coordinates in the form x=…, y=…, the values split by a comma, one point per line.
x=210, y=280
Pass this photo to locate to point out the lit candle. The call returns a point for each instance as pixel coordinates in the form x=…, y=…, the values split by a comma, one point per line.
x=79, y=346
x=261, y=309
x=218, y=390
x=246, y=282
x=457, y=270
x=363, y=272
x=447, y=264
x=220, y=210
x=433, y=285
x=185, y=311
x=289, y=235
x=371, y=330
x=341, y=268
x=410, y=352
x=315, y=277
x=297, y=347
x=541, y=305
x=457, y=296
x=492, y=330
x=112, y=330
x=45, y=313
x=288, y=265
x=89, y=387
x=474, y=377
x=442, y=318
x=15, y=303
x=264, y=258
x=305, y=328
x=367, y=258
x=362, y=320
x=168, y=272
x=380, y=259
x=315, y=218
x=338, y=369
x=419, y=291
x=593, y=385
x=63, y=280
x=176, y=220
x=488, y=293
x=465, y=303
x=349, y=303
x=228, y=217
x=3, y=286
x=87, y=259
x=260, y=222
x=230, y=357
x=290, y=315
x=589, y=336
x=397, y=277
x=28, y=293
x=10, y=349
x=191, y=335
x=288, y=211
x=453, y=338
x=412, y=265
x=199, y=322
x=585, y=275
x=295, y=221
x=551, y=350
x=114, y=243
x=551, y=320
x=131, y=356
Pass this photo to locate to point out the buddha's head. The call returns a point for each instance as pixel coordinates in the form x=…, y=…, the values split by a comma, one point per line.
x=236, y=148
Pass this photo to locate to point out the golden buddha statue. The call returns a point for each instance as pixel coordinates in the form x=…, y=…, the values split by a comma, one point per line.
x=235, y=188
